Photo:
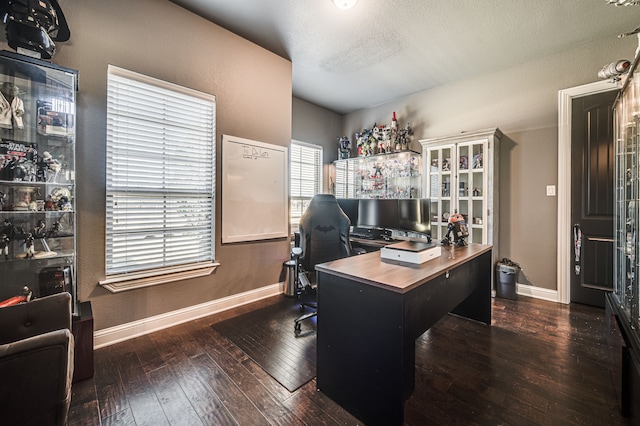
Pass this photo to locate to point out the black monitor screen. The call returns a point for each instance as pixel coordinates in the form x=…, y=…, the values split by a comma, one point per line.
x=413, y=215
x=350, y=207
x=378, y=213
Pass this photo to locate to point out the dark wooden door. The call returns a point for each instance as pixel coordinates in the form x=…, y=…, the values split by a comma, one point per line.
x=592, y=190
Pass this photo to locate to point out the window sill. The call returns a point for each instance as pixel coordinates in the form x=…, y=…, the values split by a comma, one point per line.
x=125, y=282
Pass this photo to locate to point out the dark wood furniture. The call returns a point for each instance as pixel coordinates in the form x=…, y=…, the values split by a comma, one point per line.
x=82, y=328
x=372, y=313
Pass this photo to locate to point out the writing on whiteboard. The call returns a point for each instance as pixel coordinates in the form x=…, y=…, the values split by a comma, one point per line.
x=254, y=153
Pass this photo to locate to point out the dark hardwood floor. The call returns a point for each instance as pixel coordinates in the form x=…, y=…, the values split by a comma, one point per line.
x=540, y=363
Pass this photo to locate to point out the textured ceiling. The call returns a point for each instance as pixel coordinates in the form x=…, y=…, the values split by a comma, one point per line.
x=383, y=50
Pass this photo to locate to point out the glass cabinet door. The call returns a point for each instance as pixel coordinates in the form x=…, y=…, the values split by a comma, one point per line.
x=439, y=179
x=37, y=176
x=627, y=214
x=471, y=188
x=456, y=181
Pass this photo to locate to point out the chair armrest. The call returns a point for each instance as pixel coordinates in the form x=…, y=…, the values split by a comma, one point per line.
x=35, y=317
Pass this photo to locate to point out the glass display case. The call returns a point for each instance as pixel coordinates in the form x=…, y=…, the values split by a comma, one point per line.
x=460, y=175
x=37, y=177
x=627, y=195
x=622, y=308
x=392, y=175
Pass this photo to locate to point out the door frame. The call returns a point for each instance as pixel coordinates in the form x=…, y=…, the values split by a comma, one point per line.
x=564, y=262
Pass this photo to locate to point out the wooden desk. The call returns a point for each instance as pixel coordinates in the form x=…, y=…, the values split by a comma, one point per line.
x=371, y=313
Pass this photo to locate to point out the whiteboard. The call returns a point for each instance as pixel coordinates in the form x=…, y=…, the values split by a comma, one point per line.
x=255, y=181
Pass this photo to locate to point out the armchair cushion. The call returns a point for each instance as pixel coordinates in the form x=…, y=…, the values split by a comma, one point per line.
x=35, y=317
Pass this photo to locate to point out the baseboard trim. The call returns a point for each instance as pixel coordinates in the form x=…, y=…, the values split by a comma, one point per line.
x=537, y=292
x=120, y=333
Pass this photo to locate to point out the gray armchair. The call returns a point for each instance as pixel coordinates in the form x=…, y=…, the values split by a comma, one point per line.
x=36, y=361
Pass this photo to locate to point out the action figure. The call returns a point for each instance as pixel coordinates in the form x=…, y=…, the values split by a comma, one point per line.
x=464, y=162
x=28, y=241
x=366, y=142
x=8, y=229
x=383, y=136
x=458, y=227
x=11, y=107
x=52, y=164
x=4, y=246
x=404, y=138
x=344, y=147
x=23, y=297
x=40, y=230
x=64, y=204
x=477, y=161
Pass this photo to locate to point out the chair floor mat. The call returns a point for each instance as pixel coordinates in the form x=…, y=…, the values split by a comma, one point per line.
x=267, y=337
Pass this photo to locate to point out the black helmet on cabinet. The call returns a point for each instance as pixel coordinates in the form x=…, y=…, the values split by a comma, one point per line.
x=34, y=25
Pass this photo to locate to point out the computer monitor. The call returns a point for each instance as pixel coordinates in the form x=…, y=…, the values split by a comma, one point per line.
x=350, y=207
x=373, y=213
x=413, y=215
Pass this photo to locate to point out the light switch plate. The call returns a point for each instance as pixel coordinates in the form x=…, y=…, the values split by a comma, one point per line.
x=551, y=190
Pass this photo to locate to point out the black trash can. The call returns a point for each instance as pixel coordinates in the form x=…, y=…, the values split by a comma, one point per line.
x=506, y=276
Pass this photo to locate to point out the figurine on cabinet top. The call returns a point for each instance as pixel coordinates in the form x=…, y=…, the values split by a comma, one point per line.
x=11, y=107
x=344, y=148
x=383, y=136
x=366, y=142
x=404, y=138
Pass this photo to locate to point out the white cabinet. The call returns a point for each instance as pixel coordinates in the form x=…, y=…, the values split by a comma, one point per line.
x=460, y=173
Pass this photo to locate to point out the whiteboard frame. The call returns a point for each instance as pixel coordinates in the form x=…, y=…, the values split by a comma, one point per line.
x=278, y=227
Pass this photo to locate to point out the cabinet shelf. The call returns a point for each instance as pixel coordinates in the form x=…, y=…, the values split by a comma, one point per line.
x=40, y=255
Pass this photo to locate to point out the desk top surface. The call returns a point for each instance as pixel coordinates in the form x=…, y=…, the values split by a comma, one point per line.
x=369, y=269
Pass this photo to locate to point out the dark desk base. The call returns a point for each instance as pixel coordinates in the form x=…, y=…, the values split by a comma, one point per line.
x=366, y=335
x=82, y=329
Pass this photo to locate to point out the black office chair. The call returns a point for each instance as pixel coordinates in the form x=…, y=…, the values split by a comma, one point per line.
x=324, y=236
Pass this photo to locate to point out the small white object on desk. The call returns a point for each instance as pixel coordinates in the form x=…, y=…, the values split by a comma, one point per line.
x=410, y=252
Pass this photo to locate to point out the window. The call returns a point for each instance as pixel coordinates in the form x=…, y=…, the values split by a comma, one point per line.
x=160, y=180
x=306, y=177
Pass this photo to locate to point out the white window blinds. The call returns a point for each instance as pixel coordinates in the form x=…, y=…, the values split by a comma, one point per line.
x=345, y=179
x=160, y=174
x=305, y=176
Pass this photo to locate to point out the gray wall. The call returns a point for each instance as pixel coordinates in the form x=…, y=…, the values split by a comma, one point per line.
x=253, y=92
x=523, y=102
x=317, y=125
